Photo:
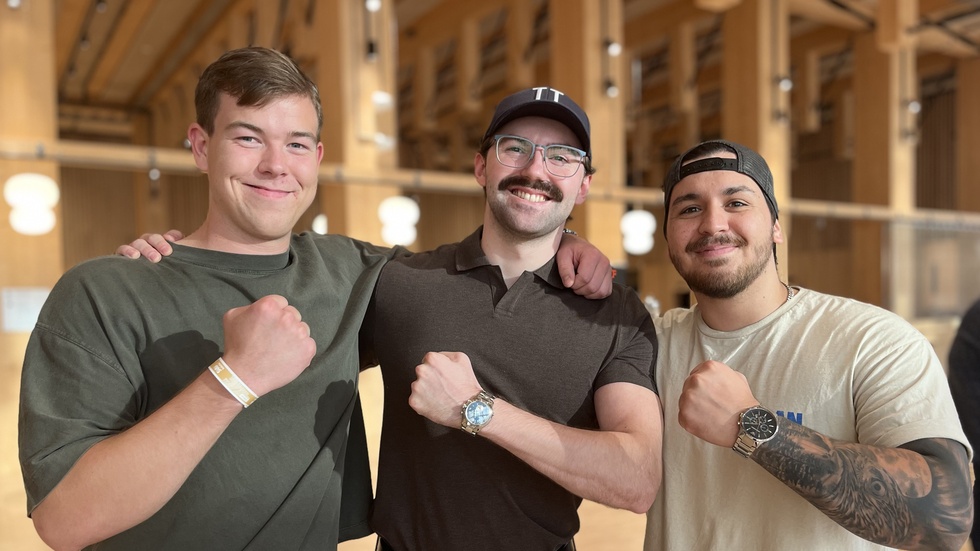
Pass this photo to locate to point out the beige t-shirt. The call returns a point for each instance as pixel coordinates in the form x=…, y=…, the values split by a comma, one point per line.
x=846, y=369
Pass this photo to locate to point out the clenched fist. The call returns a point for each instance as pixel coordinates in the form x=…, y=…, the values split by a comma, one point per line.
x=444, y=380
x=267, y=343
x=713, y=396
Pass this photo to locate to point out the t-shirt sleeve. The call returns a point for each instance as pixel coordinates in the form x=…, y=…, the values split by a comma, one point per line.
x=900, y=389
x=71, y=398
x=635, y=359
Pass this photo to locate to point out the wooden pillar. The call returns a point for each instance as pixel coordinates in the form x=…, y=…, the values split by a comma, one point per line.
x=265, y=18
x=755, y=111
x=352, y=49
x=580, y=67
x=806, y=110
x=883, y=168
x=424, y=89
x=520, y=28
x=683, y=88
x=468, y=68
x=967, y=134
x=28, y=113
x=150, y=196
x=893, y=37
x=844, y=121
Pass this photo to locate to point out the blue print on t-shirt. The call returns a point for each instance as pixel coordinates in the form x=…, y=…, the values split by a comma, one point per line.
x=792, y=416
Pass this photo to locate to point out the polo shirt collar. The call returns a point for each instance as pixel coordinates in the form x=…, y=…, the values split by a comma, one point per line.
x=470, y=255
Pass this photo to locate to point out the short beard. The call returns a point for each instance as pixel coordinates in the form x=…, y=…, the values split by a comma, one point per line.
x=711, y=284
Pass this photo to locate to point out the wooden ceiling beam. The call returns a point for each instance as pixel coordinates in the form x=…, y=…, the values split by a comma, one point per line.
x=933, y=39
x=823, y=40
x=827, y=14
x=717, y=6
x=134, y=18
x=439, y=25
x=68, y=28
x=896, y=19
x=643, y=30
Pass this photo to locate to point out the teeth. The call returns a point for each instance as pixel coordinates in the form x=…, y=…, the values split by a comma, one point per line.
x=534, y=198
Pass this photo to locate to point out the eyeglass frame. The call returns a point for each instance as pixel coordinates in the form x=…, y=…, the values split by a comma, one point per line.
x=584, y=161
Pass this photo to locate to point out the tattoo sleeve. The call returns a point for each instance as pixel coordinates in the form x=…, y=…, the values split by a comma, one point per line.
x=917, y=496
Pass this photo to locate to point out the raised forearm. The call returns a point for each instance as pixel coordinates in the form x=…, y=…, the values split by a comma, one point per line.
x=126, y=478
x=892, y=496
x=618, y=466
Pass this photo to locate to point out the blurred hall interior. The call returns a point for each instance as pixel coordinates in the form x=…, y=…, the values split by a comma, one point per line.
x=865, y=109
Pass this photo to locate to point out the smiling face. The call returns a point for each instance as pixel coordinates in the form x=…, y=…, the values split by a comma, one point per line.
x=262, y=167
x=530, y=202
x=720, y=232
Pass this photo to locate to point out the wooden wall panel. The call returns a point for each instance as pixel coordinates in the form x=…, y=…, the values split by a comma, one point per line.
x=98, y=211
x=968, y=135
x=935, y=180
x=816, y=244
x=188, y=202
x=447, y=218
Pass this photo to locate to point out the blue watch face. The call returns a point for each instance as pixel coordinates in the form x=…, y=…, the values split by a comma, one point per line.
x=478, y=413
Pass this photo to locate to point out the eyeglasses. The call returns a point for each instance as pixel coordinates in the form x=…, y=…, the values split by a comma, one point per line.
x=560, y=160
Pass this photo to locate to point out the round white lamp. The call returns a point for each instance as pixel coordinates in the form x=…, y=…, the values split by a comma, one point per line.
x=32, y=221
x=638, y=227
x=320, y=224
x=398, y=216
x=31, y=190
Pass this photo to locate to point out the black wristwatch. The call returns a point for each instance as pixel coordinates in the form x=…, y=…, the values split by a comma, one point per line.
x=755, y=426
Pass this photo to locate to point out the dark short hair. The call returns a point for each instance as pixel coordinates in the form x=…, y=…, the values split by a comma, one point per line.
x=253, y=76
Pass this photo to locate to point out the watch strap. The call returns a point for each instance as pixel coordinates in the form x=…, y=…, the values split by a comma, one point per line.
x=745, y=445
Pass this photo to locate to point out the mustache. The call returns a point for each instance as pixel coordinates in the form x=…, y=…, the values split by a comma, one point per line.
x=548, y=188
x=715, y=240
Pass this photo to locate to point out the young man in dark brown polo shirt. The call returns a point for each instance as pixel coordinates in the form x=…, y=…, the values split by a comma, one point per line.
x=556, y=391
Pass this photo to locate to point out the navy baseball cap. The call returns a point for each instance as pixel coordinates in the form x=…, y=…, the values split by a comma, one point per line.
x=546, y=102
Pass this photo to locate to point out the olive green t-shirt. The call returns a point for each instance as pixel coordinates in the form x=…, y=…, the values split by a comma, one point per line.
x=117, y=338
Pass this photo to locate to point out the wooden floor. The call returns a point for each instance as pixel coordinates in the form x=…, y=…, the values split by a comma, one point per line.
x=603, y=529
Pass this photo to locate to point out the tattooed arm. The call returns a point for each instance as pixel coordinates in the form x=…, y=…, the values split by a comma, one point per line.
x=917, y=496
x=913, y=497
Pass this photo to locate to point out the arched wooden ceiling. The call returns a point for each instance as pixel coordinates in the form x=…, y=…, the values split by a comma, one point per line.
x=112, y=56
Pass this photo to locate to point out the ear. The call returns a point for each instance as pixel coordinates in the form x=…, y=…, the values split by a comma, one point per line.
x=777, y=233
x=583, y=189
x=480, y=170
x=319, y=152
x=199, y=140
